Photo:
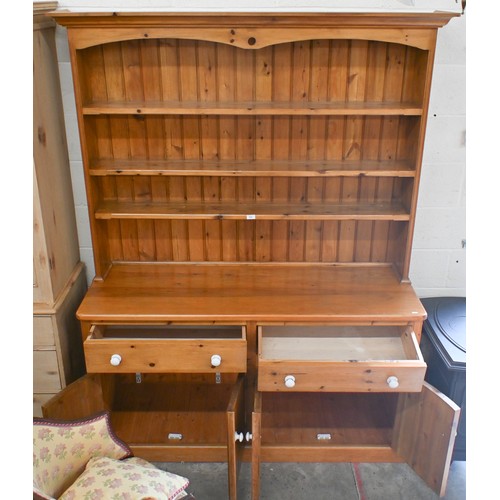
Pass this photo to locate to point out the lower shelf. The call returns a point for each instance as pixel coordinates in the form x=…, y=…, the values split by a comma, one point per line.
x=161, y=418
x=327, y=427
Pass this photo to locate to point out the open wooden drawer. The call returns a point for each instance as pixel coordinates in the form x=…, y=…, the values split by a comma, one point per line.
x=339, y=359
x=165, y=349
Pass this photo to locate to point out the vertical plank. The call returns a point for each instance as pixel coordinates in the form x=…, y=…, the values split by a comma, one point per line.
x=245, y=148
x=226, y=92
x=263, y=148
x=356, y=92
x=176, y=192
x=155, y=144
x=335, y=130
x=134, y=91
x=316, y=144
x=191, y=136
x=281, y=91
x=207, y=90
x=377, y=55
x=119, y=133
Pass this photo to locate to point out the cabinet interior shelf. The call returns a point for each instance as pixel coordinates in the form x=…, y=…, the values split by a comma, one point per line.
x=251, y=211
x=243, y=168
x=252, y=108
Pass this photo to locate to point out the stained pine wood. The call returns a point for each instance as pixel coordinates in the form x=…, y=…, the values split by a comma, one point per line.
x=262, y=292
x=235, y=425
x=253, y=168
x=424, y=434
x=340, y=359
x=258, y=170
x=246, y=211
x=159, y=351
x=79, y=399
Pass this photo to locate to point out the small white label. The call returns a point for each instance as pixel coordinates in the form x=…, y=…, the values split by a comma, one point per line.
x=251, y=217
x=176, y=436
x=324, y=436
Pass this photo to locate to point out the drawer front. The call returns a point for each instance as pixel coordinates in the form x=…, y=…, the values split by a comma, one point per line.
x=46, y=372
x=339, y=377
x=39, y=399
x=165, y=355
x=340, y=360
x=43, y=333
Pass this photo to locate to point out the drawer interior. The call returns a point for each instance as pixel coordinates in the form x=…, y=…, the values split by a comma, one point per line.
x=337, y=343
x=167, y=332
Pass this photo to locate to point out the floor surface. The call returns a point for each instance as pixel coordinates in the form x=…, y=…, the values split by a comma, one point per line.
x=319, y=481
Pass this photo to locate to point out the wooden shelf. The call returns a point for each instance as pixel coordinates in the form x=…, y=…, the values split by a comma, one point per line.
x=297, y=419
x=251, y=211
x=252, y=108
x=244, y=168
x=235, y=292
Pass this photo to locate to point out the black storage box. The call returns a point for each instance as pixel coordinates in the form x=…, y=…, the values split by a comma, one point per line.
x=443, y=346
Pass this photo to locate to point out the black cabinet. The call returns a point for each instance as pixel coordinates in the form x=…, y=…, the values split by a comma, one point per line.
x=443, y=346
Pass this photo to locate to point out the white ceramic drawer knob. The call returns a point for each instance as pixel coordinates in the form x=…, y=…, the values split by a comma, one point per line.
x=393, y=382
x=216, y=360
x=238, y=436
x=115, y=360
x=290, y=381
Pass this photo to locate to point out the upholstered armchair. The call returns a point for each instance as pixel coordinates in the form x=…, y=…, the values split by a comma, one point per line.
x=73, y=460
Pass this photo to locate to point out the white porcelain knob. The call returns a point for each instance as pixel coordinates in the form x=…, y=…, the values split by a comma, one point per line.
x=393, y=382
x=238, y=436
x=248, y=436
x=216, y=360
x=115, y=360
x=290, y=381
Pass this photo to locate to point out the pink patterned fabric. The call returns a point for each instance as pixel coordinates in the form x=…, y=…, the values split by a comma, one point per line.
x=130, y=479
x=61, y=449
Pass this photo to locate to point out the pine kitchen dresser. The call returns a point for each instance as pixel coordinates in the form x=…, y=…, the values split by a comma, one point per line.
x=252, y=185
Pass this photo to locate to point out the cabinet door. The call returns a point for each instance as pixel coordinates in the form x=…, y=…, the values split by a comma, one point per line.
x=81, y=398
x=424, y=434
x=235, y=436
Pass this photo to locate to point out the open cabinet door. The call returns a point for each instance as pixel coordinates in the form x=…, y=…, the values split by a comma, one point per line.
x=235, y=426
x=83, y=397
x=424, y=434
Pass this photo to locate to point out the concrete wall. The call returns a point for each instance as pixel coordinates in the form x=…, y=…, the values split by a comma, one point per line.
x=438, y=258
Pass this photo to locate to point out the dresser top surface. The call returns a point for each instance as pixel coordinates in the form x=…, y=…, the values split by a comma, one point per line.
x=250, y=292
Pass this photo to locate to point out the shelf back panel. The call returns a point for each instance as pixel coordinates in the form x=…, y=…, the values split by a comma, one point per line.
x=357, y=101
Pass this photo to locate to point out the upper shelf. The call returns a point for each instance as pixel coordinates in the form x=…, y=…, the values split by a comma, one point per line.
x=252, y=108
x=248, y=168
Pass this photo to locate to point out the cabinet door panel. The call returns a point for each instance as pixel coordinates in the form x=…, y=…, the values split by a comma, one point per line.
x=235, y=426
x=424, y=434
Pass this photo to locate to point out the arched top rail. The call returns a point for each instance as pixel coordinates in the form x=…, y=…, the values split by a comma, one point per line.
x=251, y=31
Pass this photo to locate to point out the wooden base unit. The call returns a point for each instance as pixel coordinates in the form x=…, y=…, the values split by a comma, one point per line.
x=252, y=185
x=339, y=427
x=164, y=418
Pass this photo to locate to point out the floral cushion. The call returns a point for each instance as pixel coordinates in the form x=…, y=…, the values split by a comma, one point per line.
x=61, y=449
x=129, y=479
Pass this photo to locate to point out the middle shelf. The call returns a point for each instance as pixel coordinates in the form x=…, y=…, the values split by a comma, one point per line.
x=252, y=108
x=393, y=210
x=249, y=168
